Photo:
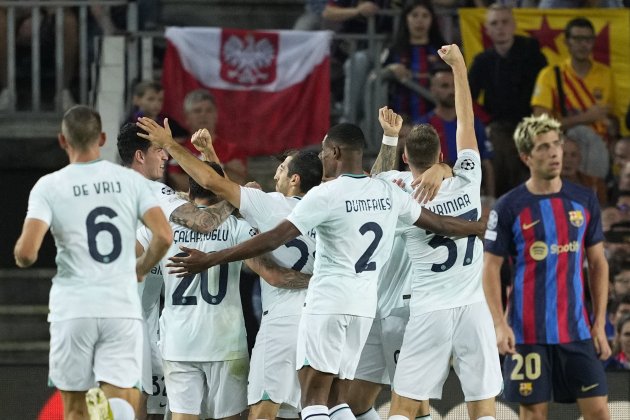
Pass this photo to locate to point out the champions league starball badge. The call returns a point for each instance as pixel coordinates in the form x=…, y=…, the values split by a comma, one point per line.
x=468, y=165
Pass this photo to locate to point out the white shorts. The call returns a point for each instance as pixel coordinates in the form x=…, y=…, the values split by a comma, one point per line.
x=380, y=353
x=152, y=372
x=272, y=372
x=85, y=351
x=332, y=343
x=207, y=389
x=467, y=334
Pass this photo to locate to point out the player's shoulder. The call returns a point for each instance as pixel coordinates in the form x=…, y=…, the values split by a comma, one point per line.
x=514, y=200
x=579, y=193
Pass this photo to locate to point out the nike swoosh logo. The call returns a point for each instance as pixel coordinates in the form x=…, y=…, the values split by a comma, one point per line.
x=588, y=388
x=530, y=225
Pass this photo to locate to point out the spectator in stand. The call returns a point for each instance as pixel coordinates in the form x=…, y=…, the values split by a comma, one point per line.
x=444, y=119
x=620, y=360
x=311, y=19
x=621, y=288
x=351, y=16
x=579, y=92
x=504, y=75
x=148, y=97
x=621, y=156
x=23, y=39
x=572, y=4
x=571, y=162
x=201, y=112
x=411, y=57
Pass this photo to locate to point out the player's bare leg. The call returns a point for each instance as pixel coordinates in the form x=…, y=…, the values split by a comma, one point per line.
x=362, y=396
x=594, y=408
x=263, y=410
x=407, y=407
x=74, y=407
x=180, y=416
x=315, y=386
x=481, y=408
x=131, y=395
x=533, y=411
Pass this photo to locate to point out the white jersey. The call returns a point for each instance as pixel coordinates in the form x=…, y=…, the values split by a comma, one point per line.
x=93, y=209
x=167, y=198
x=264, y=211
x=447, y=272
x=202, y=319
x=355, y=217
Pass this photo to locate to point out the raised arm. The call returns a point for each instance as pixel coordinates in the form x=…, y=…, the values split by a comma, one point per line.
x=465, y=134
x=598, y=284
x=387, y=157
x=30, y=241
x=277, y=276
x=258, y=245
x=340, y=14
x=200, y=172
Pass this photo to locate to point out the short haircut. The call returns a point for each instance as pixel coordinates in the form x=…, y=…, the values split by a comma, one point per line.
x=578, y=22
x=346, y=135
x=196, y=96
x=81, y=126
x=129, y=142
x=616, y=302
x=308, y=166
x=422, y=146
x=143, y=87
x=197, y=191
x=623, y=319
x=531, y=127
x=499, y=7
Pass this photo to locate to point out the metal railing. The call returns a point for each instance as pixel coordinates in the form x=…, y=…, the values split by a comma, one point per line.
x=58, y=8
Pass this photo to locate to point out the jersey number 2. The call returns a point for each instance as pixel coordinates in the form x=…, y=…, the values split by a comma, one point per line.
x=178, y=294
x=364, y=263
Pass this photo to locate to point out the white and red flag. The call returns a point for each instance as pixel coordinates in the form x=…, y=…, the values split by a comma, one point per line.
x=272, y=87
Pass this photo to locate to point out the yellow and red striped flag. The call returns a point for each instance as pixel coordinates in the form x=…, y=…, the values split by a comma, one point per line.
x=612, y=44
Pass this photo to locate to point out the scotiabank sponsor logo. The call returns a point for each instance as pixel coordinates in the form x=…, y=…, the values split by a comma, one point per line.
x=539, y=250
x=563, y=249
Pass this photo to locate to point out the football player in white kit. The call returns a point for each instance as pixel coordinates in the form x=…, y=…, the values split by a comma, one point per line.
x=92, y=208
x=273, y=388
x=341, y=298
x=149, y=160
x=449, y=316
x=202, y=328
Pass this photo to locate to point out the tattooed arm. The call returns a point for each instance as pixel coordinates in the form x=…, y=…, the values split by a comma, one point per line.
x=272, y=273
x=202, y=220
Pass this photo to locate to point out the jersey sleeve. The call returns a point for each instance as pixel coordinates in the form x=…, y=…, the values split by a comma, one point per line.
x=544, y=88
x=244, y=231
x=468, y=166
x=409, y=209
x=146, y=197
x=255, y=206
x=498, y=236
x=168, y=199
x=143, y=235
x=312, y=209
x=594, y=231
x=39, y=203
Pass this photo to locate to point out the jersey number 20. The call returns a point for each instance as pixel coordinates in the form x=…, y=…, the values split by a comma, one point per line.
x=178, y=294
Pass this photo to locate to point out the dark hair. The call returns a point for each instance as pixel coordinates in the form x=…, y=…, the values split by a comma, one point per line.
x=422, y=146
x=129, y=142
x=623, y=319
x=615, y=303
x=308, y=166
x=346, y=135
x=142, y=87
x=401, y=40
x=197, y=191
x=578, y=22
x=81, y=126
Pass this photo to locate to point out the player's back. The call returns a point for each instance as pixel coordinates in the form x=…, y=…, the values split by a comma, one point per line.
x=264, y=211
x=202, y=318
x=355, y=219
x=447, y=271
x=93, y=211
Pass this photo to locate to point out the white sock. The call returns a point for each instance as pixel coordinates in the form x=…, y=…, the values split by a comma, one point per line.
x=315, y=412
x=371, y=414
x=397, y=417
x=486, y=418
x=427, y=417
x=341, y=412
x=121, y=409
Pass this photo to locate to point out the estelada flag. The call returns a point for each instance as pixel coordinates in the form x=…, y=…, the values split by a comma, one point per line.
x=272, y=88
x=612, y=43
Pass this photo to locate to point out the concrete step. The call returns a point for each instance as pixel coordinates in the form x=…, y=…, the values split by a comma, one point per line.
x=25, y=286
x=23, y=324
x=24, y=353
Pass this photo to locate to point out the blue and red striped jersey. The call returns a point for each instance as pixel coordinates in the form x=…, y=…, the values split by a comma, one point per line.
x=546, y=236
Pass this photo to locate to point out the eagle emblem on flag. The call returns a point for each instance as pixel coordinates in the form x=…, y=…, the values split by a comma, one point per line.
x=248, y=58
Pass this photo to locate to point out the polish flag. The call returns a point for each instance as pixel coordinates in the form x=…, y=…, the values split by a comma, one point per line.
x=272, y=87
